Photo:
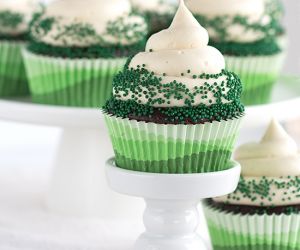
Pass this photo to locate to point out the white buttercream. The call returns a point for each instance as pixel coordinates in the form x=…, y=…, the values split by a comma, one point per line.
x=181, y=48
x=96, y=13
x=26, y=8
x=253, y=10
x=275, y=158
x=275, y=155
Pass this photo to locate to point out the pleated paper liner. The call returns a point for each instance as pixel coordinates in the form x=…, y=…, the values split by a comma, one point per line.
x=71, y=82
x=13, y=80
x=229, y=231
x=258, y=75
x=160, y=148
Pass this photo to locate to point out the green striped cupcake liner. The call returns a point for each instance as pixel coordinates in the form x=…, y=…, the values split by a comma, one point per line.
x=13, y=80
x=166, y=148
x=258, y=75
x=230, y=231
x=71, y=82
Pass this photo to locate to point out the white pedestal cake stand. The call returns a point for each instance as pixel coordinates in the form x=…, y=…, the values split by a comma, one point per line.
x=171, y=215
x=78, y=186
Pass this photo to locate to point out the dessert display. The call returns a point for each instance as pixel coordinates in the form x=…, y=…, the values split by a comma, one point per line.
x=175, y=108
x=248, y=33
x=159, y=13
x=75, y=51
x=15, y=16
x=263, y=212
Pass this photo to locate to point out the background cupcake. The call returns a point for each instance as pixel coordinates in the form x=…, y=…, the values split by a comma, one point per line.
x=15, y=16
x=175, y=109
x=159, y=13
x=246, y=32
x=77, y=47
x=264, y=211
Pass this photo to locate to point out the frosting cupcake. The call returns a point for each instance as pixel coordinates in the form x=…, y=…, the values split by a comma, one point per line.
x=174, y=108
x=159, y=13
x=15, y=16
x=75, y=52
x=263, y=212
x=246, y=32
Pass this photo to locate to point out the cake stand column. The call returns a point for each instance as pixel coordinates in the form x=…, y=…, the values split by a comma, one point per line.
x=171, y=216
x=170, y=224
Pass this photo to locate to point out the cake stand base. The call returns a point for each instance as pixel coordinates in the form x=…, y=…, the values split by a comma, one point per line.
x=171, y=216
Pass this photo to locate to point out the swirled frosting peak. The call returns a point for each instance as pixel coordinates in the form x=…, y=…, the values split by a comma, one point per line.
x=184, y=33
x=275, y=155
x=181, y=48
x=270, y=171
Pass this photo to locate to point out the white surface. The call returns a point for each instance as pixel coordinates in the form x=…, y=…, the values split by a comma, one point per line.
x=25, y=223
x=171, y=216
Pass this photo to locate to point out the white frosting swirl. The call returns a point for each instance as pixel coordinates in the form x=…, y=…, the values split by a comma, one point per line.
x=94, y=13
x=276, y=160
x=252, y=10
x=25, y=8
x=181, y=48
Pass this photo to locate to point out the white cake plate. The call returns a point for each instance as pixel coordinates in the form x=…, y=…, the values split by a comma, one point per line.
x=78, y=185
x=171, y=217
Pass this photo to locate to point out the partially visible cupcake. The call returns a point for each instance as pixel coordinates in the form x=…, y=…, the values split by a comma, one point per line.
x=77, y=47
x=264, y=211
x=159, y=13
x=15, y=16
x=247, y=34
x=175, y=109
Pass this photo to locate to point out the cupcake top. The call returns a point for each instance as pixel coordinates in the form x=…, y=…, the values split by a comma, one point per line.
x=178, y=79
x=157, y=6
x=270, y=171
x=234, y=20
x=15, y=16
x=77, y=23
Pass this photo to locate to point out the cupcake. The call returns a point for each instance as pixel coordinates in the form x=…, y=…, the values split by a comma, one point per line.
x=246, y=32
x=174, y=108
x=159, y=13
x=15, y=16
x=264, y=211
x=77, y=47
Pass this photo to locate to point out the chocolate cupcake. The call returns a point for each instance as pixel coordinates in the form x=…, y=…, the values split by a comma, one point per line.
x=264, y=211
x=77, y=47
x=247, y=33
x=174, y=108
x=15, y=16
x=159, y=13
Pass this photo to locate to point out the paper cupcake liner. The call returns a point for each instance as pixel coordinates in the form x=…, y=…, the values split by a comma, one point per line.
x=258, y=75
x=160, y=148
x=13, y=80
x=230, y=231
x=71, y=82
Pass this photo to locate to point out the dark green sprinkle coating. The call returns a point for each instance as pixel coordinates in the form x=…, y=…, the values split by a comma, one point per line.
x=91, y=52
x=254, y=190
x=118, y=30
x=267, y=45
x=263, y=47
x=10, y=19
x=253, y=210
x=133, y=83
